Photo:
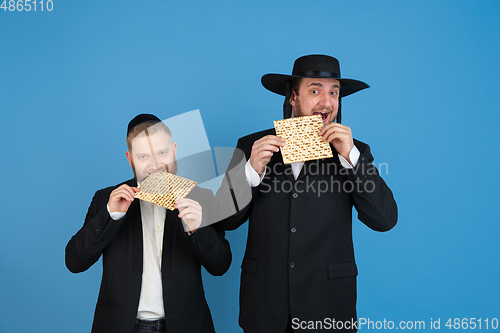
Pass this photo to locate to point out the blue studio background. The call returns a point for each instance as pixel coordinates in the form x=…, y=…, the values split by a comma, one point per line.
x=72, y=78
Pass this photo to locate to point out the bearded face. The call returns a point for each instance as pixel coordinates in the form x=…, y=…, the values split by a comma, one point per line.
x=152, y=153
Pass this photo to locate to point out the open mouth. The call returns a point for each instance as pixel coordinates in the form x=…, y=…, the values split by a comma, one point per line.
x=324, y=114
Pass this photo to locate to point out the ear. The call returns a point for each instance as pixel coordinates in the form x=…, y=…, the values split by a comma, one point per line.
x=293, y=98
x=175, y=150
x=129, y=158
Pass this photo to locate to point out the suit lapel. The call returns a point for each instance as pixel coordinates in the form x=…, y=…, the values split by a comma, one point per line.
x=281, y=167
x=135, y=220
x=168, y=240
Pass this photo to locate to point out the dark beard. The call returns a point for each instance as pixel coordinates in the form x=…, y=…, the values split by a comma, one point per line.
x=173, y=168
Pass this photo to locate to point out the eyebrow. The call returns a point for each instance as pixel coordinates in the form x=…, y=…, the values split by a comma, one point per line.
x=148, y=153
x=317, y=84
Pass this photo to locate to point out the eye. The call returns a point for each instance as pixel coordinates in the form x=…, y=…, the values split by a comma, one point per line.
x=142, y=157
x=314, y=91
x=334, y=93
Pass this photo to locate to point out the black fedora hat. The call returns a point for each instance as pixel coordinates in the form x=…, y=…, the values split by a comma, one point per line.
x=315, y=66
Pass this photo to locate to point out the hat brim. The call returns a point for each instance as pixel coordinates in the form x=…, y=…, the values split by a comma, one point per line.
x=277, y=84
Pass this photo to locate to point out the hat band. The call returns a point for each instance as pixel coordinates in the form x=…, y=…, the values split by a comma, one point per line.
x=318, y=74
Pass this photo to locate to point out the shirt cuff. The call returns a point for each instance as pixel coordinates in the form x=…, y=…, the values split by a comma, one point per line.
x=353, y=156
x=115, y=215
x=253, y=178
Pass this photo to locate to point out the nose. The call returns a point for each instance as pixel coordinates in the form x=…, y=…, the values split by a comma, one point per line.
x=326, y=100
x=160, y=167
x=157, y=165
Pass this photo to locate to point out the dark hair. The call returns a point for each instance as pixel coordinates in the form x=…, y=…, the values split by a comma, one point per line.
x=287, y=107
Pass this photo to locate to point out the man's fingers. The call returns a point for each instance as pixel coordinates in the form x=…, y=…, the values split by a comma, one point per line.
x=329, y=136
x=334, y=126
x=272, y=140
x=264, y=153
x=332, y=133
x=121, y=198
x=127, y=190
x=187, y=209
x=343, y=129
x=266, y=147
x=184, y=203
x=119, y=194
x=190, y=214
x=263, y=149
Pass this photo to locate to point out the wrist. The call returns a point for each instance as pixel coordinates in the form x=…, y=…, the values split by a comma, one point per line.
x=256, y=169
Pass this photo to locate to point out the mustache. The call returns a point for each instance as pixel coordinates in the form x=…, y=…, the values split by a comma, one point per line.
x=322, y=108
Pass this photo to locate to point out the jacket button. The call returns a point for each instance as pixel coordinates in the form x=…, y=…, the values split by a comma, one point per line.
x=293, y=230
x=295, y=195
x=292, y=264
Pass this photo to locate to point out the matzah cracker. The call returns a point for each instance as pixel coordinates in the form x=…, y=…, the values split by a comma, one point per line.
x=302, y=139
x=164, y=188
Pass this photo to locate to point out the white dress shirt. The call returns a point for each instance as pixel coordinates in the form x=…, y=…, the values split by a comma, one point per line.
x=153, y=221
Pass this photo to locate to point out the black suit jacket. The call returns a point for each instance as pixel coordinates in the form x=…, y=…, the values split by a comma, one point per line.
x=299, y=260
x=120, y=243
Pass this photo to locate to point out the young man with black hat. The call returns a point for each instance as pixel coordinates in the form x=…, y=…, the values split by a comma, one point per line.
x=152, y=257
x=299, y=270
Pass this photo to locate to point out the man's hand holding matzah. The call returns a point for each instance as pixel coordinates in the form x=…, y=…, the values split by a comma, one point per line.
x=121, y=198
x=190, y=213
x=340, y=137
x=263, y=150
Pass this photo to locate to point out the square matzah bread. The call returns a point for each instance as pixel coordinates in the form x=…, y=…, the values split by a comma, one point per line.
x=302, y=141
x=164, y=188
